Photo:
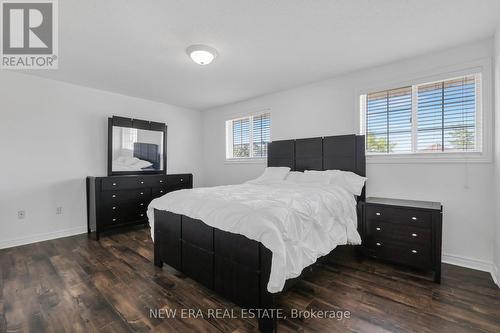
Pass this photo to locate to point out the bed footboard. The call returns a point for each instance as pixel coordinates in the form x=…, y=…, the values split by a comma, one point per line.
x=232, y=265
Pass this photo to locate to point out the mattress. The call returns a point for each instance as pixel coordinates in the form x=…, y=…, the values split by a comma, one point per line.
x=298, y=222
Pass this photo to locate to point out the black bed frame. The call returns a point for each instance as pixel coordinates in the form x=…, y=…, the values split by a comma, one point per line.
x=232, y=265
x=148, y=152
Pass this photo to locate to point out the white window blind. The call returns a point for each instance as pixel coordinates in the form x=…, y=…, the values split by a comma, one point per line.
x=261, y=134
x=388, y=121
x=248, y=137
x=129, y=136
x=446, y=113
x=442, y=116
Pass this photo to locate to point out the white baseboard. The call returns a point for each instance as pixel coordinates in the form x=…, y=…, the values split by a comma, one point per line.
x=480, y=265
x=495, y=275
x=42, y=237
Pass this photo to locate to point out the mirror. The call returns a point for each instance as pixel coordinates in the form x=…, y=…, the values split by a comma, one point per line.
x=135, y=150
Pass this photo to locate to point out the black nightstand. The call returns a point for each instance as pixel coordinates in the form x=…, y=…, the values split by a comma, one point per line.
x=403, y=231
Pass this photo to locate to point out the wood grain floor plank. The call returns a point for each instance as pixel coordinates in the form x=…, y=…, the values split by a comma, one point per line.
x=76, y=284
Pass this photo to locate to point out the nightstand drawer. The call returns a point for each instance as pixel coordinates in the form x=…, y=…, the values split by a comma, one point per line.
x=404, y=232
x=411, y=255
x=400, y=232
x=415, y=217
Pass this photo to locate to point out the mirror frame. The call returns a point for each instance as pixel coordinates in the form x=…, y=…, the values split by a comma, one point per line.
x=138, y=124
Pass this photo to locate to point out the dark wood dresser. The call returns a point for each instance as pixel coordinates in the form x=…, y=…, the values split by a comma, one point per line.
x=403, y=231
x=120, y=201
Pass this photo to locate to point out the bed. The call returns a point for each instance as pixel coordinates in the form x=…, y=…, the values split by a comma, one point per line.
x=248, y=272
x=145, y=157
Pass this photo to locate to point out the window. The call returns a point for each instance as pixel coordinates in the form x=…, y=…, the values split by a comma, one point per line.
x=435, y=117
x=248, y=137
x=129, y=136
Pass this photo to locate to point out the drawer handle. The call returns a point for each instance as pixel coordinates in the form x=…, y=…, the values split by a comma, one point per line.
x=414, y=235
x=414, y=218
x=378, y=244
x=114, y=207
x=414, y=251
x=114, y=184
x=378, y=214
x=378, y=228
x=114, y=195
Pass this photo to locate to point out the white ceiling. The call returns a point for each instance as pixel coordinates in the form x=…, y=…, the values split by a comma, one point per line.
x=137, y=48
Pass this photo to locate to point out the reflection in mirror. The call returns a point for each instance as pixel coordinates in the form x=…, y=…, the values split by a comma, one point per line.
x=137, y=150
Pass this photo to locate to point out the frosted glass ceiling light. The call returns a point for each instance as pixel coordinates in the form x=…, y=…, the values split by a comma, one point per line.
x=201, y=54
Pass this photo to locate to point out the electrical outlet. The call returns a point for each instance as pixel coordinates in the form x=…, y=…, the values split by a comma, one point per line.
x=58, y=210
x=21, y=214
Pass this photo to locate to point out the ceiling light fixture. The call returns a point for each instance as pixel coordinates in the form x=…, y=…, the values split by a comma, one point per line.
x=201, y=54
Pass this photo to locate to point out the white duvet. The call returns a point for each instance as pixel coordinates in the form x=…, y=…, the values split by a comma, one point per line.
x=298, y=222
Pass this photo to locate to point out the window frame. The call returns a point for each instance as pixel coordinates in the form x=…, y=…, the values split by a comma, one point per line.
x=229, y=138
x=483, y=115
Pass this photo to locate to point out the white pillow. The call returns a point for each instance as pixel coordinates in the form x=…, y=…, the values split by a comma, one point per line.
x=142, y=164
x=271, y=175
x=314, y=176
x=349, y=180
x=294, y=176
x=120, y=160
x=130, y=161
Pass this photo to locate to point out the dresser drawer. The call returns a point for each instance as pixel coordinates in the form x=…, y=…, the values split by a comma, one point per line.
x=407, y=254
x=158, y=191
x=183, y=181
x=402, y=232
x=156, y=181
x=125, y=183
x=112, y=218
x=118, y=201
x=130, y=196
x=414, y=217
x=121, y=209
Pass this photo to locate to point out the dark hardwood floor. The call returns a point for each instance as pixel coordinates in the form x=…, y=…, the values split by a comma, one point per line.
x=75, y=284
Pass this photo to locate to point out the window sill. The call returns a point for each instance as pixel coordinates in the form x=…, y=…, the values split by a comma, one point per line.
x=428, y=158
x=245, y=161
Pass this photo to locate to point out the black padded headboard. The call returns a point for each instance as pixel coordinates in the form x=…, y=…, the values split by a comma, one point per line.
x=345, y=152
x=341, y=152
x=148, y=152
x=309, y=154
x=281, y=153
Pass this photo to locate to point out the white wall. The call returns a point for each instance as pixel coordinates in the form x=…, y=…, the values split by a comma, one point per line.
x=53, y=135
x=330, y=108
x=497, y=152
